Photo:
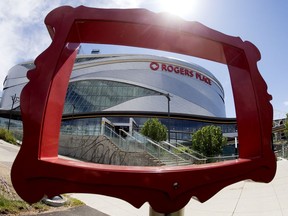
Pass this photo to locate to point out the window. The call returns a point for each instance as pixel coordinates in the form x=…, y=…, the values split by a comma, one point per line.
x=97, y=95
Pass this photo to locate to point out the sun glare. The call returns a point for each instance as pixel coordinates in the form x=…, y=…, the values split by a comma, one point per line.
x=182, y=8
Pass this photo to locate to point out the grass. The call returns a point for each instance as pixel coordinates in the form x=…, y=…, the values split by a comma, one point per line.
x=7, y=136
x=73, y=202
x=12, y=204
x=8, y=206
x=16, y=207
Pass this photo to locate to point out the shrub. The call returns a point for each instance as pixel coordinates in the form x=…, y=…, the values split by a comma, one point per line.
x=7, y=136
x=208, y=140
x=154, y=129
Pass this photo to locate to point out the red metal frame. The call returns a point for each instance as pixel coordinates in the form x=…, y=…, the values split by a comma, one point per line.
x=38, y=170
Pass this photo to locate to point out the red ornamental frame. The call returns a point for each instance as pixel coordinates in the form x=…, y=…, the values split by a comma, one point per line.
x=38, y=171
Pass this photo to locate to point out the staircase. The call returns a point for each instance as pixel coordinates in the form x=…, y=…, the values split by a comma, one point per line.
x=161, y=154
x=166, y=156
x=133, y=150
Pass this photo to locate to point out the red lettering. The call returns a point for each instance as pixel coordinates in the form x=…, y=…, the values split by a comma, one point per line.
x=198, y=76
x=176, y=69
x=189, y=73
x=180, y=70
x=170, y=68
x=208, y=81
x=203, y=78
x=154, y=66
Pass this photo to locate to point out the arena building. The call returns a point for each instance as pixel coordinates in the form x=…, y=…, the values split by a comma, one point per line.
x=126, y=90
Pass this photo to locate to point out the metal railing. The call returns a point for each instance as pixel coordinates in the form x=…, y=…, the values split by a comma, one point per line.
x=168, y=156
x=119, y=141
x=135, y=145
x=183, y=154
x=164, y=152
x=204, y=159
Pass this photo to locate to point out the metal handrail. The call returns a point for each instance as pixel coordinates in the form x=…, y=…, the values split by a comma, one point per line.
x=199, y=155
x=212, y=159
x=119, y=141
x=221, y=158
x=185, y=155
x=164, y=152
x=159, y=148
x=135, y=144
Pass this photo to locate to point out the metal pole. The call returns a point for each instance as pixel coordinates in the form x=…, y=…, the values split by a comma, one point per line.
x=177, y=213
x=73, y=111
x=168, y=98
x=236, y=146
x=72, y=122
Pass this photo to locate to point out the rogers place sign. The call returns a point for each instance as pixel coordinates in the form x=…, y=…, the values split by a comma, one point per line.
x=157, y=66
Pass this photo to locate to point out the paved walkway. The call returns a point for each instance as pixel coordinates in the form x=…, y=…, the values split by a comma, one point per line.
x=243, y=198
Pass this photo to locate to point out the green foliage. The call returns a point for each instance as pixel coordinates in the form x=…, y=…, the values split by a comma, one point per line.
x=208, y=141
x=73, y=202
x=184, y=149
x=7, y=136
x=155, y=130
x=12, y=206
x=17, y=207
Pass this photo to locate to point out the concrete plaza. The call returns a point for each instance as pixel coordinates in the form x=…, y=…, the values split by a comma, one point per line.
x=243, y=198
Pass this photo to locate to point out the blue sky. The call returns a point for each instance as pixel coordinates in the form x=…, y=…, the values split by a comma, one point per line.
x=262, y=22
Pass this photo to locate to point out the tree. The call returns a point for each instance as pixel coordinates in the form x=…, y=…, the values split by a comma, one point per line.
x=208, y=141
x=154, y=129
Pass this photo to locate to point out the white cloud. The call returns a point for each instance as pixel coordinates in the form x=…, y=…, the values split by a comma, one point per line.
x=286, y=103
x=23, y=32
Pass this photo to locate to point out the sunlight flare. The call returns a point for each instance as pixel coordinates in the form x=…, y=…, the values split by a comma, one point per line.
x=182, y=8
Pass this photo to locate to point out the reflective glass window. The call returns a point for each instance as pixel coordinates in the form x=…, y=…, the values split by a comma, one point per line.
x=97, y=95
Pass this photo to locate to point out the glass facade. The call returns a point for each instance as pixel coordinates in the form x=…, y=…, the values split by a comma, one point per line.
x=98, y=95
x=181, y=129
x=88, y=96
x=90, y=126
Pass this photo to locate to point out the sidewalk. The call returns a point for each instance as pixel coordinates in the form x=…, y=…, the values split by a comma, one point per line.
x=77, y=211
x=243, y=198
x=8, y=153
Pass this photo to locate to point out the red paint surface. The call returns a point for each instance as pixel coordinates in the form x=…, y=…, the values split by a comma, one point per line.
x=37, y=169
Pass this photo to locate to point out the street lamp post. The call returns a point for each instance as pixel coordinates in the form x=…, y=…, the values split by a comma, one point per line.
x=168, y=99
x=73, y=109
x=72, y=122
x=168, y=96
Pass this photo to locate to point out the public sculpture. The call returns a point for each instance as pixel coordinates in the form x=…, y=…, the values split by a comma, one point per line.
x=38, y=168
